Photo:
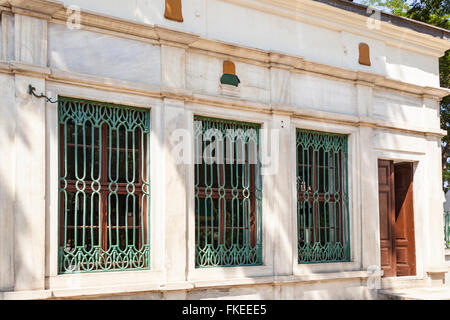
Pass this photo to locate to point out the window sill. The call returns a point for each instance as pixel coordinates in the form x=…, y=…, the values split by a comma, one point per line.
x=229, y=273
x=229, y=90
x=98, y=279
x=319, y=268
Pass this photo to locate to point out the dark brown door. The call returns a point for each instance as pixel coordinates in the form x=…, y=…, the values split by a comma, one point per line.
x=387, y=214
x=404, y=219
x=395, y=185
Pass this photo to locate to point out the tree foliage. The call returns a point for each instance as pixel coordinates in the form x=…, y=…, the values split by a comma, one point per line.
x=437, y=13
x=397, y=7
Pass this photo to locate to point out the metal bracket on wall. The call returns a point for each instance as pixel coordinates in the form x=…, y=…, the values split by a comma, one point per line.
x=32, y=91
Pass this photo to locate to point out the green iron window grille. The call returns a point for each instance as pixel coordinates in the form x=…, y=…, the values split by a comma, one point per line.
x=447, y=228
x=227, y=194
x=322, y=198
x=104, y=187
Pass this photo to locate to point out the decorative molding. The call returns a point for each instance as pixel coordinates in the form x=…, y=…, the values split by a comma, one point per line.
x=46, y=8
x=117, y=25
x=29, y=70
x=230, y=102
x=175, y=36
x=5, y=9
x=281, y=59
x=231, y=50
x=222, y=56
x=29, y=13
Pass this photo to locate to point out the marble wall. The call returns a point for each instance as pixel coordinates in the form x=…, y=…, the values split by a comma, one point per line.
x=229, y=21
x=183, y=82
x=103, y=55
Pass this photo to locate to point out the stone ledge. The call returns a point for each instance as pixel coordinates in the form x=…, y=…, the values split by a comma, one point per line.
x=178, y=286
x=440, y=269
x=26, y=295
x=436, y=276
x=35, y=7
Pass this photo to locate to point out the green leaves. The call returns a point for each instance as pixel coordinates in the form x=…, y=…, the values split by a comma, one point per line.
x=397, y=7
x=434, y=12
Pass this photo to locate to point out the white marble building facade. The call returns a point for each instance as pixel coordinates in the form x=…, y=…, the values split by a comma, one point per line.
x=298, y=65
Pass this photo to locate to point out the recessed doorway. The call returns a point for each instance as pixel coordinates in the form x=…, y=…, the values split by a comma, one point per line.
x=397, y=244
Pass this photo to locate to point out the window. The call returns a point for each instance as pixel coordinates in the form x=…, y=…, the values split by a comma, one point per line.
x=227, y=194
x=229, y=74
x=322, y=197
x=104, y=187
x=174, y=10
x=364, y=54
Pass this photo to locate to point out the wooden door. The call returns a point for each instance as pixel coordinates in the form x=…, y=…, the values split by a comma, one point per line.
x=404, y=219
x=387, y=215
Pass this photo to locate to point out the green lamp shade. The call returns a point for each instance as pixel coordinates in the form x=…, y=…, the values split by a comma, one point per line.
x=231, y=79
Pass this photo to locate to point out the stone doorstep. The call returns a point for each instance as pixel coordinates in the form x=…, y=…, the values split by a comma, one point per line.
x=441, y=293
x=432, y=287
x=400, y=283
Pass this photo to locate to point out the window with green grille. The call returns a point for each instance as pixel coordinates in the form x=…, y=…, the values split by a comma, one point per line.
x=104, y=187
x=322, y=197
x=227, y=194
x=447, y=229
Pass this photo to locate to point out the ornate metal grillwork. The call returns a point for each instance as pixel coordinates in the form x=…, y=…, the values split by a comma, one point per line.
x=227, y=193
x=104, y=187
x=322, y=197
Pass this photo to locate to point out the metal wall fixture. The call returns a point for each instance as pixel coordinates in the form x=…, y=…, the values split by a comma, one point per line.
x=32, y=91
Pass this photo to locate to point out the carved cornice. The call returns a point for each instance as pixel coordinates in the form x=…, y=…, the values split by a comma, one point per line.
x=89, y=19
x=41, y=8
x=176, y=37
